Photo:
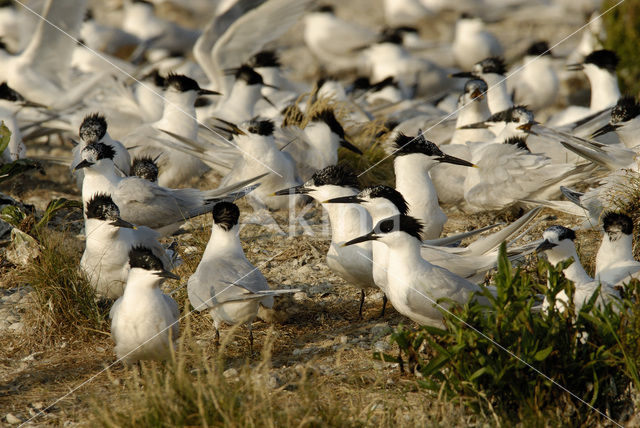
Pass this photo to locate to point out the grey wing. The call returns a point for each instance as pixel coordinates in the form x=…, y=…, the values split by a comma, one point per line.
x=144, y=203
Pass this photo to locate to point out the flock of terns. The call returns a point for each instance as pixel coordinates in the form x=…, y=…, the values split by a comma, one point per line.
x=146, y=125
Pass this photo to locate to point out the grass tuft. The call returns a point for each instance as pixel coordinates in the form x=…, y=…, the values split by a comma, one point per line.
x=622, y=25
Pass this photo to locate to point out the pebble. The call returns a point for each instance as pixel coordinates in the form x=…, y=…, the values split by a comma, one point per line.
x=17, y=327
x=381, y=346
x=231, y=374
x=12, y=419
x=380, y=330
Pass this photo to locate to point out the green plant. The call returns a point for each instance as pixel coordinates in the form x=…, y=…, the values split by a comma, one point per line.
x=592, y=353
x=622, y=25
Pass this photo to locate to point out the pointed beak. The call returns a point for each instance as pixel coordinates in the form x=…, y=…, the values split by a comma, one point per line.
x=121, y=223
x=462, y=74
x=207, y=92
x=297, y=190
x=604, y=130
x=344, y=200
x=269, y=101
x=26, y=103
x=527, y=126
x=368, y=237
x=347, y=145
x=83, y=164
x=477, y=94
x=167, y=274
x=544, y=246
x=230, y=127
x=575, y=67
x=455, y=161
x=266, y=85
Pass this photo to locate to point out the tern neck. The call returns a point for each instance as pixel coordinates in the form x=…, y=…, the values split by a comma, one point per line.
x=141, y=280
x=381, y=210
x=223, y=242
x=614, y=251
x=604, y=88
x=498, y=97
x=575, y=272
x=413, y=181
x=348, y=221
x=242, y=99
x=404, y=255
x=179, y=114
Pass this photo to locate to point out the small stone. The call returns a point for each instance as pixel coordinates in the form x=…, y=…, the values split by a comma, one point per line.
x=12, y=419
x=190, y=249
x=300, y=296
x=380, y=330
x=231, y=374
x=381, y=346
x=343, y=339
x=100, y=349
x=16, y=327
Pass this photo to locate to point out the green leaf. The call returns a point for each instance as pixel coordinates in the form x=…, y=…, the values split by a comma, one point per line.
x=5, y=137
x=543, y=353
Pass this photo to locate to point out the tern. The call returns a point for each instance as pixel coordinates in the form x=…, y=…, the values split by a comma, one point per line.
x=144, y=321
x=559, y=246
x=615, y=262
x=473, y=43
x=225, y=283
x=537, y=82
x=492, y=70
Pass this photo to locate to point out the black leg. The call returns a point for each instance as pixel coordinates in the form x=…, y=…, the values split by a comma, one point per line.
x=250, y=341
x=361, y=303
x=216, y=342
x=384, y=305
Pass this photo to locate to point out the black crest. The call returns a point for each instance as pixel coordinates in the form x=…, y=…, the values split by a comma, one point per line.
x=261, y=127
x=96, y=151
x=155, y=77
x=327, y=116
x=512, y=114
x=93, y=128
x=102, y=207
x=325, y=8
x=385, y=83
x=405, y=145
x=143, y=258
x=562, y=232
x=403, y=223
x=538, y=48
x=519, y=142
x=604, y=59
x=6, y=93
x=145, y=167
x=249, y=75
x=267, y=58
x=614, y=223
x=181, y=83
x=494, y=64
x=226, y=214
x=337, y=175
x=388, y=193
x=625, y=109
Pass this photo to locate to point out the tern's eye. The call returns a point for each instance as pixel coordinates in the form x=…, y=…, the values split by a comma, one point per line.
x=387, y=226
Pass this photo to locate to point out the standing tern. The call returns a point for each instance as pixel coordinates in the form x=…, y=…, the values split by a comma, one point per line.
x=473, y=43
x=625, y=121
x=492, y=70
x=347, y=221
x=414, y=158
x=144, y=321
x=537, y=84
x=225, y=283
x=415, y=285
x=108, y=240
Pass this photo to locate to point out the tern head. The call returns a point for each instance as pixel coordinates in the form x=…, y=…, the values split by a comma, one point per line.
x=180, y=83
x=9, y=94
x=266, y=58
x=602, y=59
x=558, y=243
x=539, y=48
x=616, y=225
x=141, y=257
x=325, y=183
x=93, y=128
x=264, y=127
x=404, y=145
x=391, y=230
x=145, y=167
x=245, y=73
x=327, y=117
x=226, y=215
x=102, y=207
x=475, y=89
x=376, y=199
x=491, y=65
x=94, y=153
x=626, y=109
